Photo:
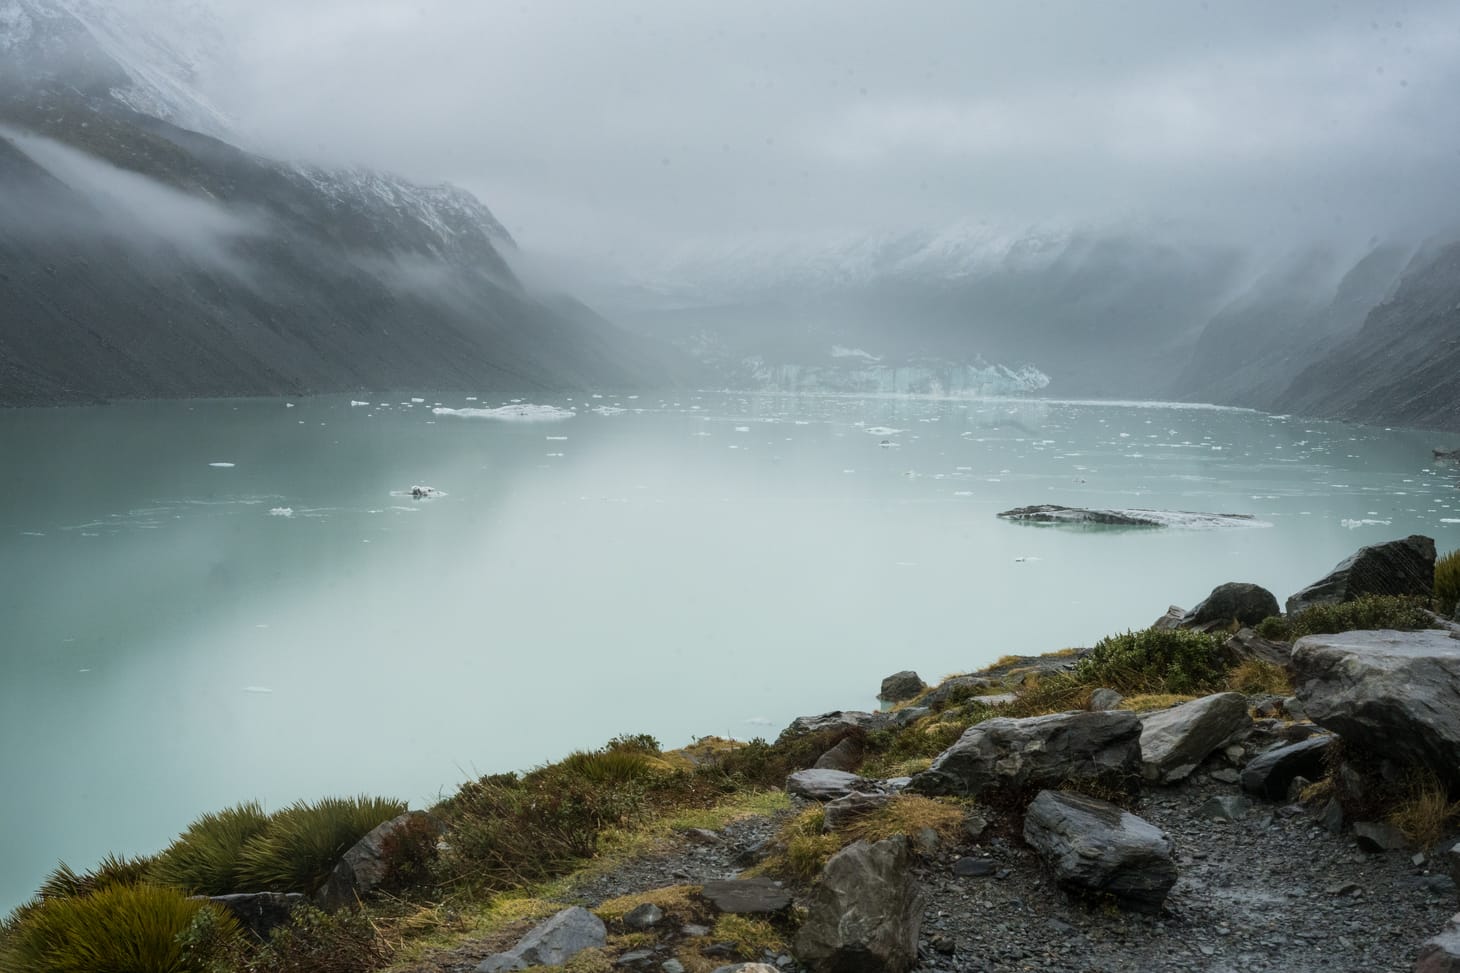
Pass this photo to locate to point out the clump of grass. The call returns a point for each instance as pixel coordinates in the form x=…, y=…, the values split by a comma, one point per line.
x=908, y=815
x=1145, y=702
x=608, y=766
x=924, y=739
x=117, y=928
x=1255, y=677
x=1362, y=614
x=677, y=901
x=805, y=847
x=111, y=872
x=752, y=938
x=1171, y=661
x=205, y=858
x=1056, y=692
x=303, y=843
x=1447, y=583
x=1425, y=813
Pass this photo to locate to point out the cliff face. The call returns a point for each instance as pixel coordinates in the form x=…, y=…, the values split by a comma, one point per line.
x=142, y=259
x=1402, y=367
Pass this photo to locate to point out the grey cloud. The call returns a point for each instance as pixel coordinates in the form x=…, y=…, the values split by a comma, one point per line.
x=606, y=128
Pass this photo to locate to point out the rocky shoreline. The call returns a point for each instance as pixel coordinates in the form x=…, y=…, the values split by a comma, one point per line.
x=1231, y=789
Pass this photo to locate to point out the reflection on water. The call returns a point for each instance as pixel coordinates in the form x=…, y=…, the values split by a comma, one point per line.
x=213, y=602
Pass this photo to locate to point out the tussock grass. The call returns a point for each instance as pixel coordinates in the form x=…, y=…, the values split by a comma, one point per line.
x=1146, y=702
x=1425, y=813
x=119, y=928
x=907, y=815
x=679, y=902
x=303, y=843
x=206, y=858
x=112, y=871
x=750, y=937
x=1255, y=677
x=1447, y=583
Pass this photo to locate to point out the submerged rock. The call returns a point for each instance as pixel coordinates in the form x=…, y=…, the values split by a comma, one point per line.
x=1175, y=741
x=1096, y=848
x=1038, y=751
x=1405, y=567
x=1048, y=513
x=864, y=913
x=1394, y=694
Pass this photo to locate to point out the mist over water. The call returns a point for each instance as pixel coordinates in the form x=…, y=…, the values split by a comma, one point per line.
x=220, y=601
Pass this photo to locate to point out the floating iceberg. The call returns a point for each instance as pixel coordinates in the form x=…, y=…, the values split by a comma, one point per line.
x=524, y=412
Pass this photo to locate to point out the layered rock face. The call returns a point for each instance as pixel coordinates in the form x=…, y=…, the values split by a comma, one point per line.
x=1404, y=567
x=865, y=911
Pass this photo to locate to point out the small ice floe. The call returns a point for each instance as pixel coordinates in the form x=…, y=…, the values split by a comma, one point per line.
x=357, y=404
x=742, y=429
x=557, y=439
x=222, y=466
x=517, y=412
x=32, y=533
x=1450, y=520
x=416, y=401
x=609, y=410
x=260, y=690
x=888, y=444
x=288, y=405
x=1351, y=524
x=883, y=431
x=83, y=670
x=1026, y=559
x=419, y=492
x=281, y=512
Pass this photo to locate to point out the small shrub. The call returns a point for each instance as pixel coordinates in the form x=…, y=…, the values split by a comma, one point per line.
x=1172, y=661
x=1447, y=583
x=635, y=743
x=119, y=928
x=204, y=860
x=1056, y=692
x=1362, y=614
x=1255, y=677
x=409, y=852
x=304, y=842
x=908, y=815
x=806, y=847
x=314, y=942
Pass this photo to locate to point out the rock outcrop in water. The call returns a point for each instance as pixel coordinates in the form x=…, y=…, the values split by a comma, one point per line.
x=1049, y=513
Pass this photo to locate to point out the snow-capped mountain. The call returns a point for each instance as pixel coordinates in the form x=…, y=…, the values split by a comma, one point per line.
x=143, y=255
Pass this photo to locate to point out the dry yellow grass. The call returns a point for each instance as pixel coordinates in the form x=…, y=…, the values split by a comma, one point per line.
x=1145, y=702
x=908, y=814
x=677, y=901
x=751, y=937
x=1257, y=677
x=1426, y=814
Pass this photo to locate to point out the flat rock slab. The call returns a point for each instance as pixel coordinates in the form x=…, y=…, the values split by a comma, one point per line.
x=1175, y=741
x=551, y=943
x=826, y=785
x=1097, y=848
x=747, y=896
x=1039, y=751
x=1395, y=694
x=1404, y=567
x=1270, y=773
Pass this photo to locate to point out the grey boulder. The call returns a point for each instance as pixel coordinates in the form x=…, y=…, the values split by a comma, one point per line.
x=955, y=689
x=845, y=756
x=551, y=943
x=1175, y=741
x=844, y=810
x=367, y=864
x=1104, y=699
x=1247, y=645
x=746, y=896
x=900, y=686
x=864, y=912
x=1096, y=848
x=1394, y=694
x=1245, y=604
x=1038, y=751
x=1272, y=772
x=837, y=720
x=825, y=785
x=1405, y=567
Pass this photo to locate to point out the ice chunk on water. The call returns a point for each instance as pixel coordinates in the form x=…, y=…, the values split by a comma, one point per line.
x=884, y=431
x=1363, y=522
x=281, y=512
x=356, y=403
x=260, y=690
x=221, y=466
x=520, y=412
x=609, y=410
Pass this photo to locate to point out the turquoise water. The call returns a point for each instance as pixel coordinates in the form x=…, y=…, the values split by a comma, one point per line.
x=181, y=636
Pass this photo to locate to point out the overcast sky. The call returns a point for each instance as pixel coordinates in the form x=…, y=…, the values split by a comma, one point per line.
x=596, y=126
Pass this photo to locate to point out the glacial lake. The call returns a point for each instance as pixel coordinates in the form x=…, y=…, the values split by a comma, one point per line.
x=206, y=603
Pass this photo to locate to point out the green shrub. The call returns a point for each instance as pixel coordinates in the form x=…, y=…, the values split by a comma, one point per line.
x=119, y=929
x=1447, y=583
x=205, y=859
x=303, y=842
x=637, y=743
x=1362, y=614
x=315, y=942
x=1172, y=661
